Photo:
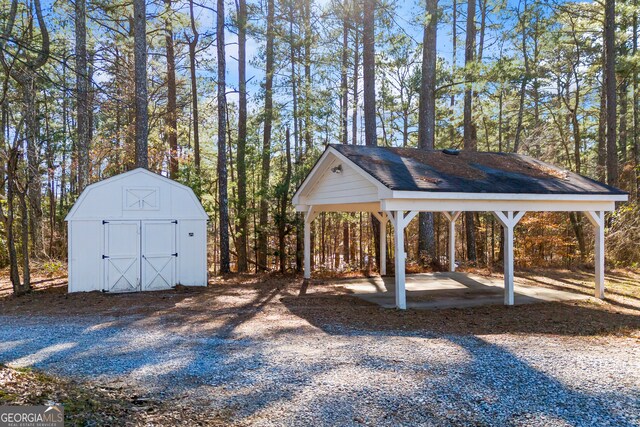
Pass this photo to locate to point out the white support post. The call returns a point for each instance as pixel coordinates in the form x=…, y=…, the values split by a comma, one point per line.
x=509, y=296
x=383, y=245
x=398, y=230
x=508, y=220
x=597, y=219
x=400, y=221
x=452, y=217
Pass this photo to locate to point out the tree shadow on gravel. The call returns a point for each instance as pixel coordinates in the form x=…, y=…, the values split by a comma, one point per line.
x=581, y=318
x=492, y=385
x=165, y=343
x=504, y=389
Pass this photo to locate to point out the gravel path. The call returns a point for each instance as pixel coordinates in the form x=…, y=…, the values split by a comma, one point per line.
x=275, y=369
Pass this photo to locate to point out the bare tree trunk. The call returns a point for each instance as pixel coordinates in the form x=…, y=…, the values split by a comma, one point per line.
x=636, y=110
x=171, y=119
x=284, y=203
x=242, y=138
x=223, y=201
x=140, y=60
x=609, y=71
x=470, y=142
x=454, y=49
x=369, y=76
x=82, y=95
x=344, y=101
x=308, y=35
x=427, y=124
x=193, y=45
x=525, y=78
x=576, y=223
x=622, y=138
x=266, y=141
x=19, y=288
x=601, y=168
x=356, y=73
x=34, y=178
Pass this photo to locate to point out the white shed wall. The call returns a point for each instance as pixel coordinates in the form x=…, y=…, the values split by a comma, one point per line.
x=192, y=253
x=85, y=260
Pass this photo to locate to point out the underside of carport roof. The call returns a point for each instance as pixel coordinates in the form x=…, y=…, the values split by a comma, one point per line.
x=395, y=184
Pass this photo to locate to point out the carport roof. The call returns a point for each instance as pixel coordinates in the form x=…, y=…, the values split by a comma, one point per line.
x=410, y=169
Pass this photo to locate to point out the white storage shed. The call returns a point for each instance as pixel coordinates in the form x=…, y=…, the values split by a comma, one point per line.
x=136, y=231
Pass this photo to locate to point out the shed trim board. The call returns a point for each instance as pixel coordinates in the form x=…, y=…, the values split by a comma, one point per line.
x=398, y=196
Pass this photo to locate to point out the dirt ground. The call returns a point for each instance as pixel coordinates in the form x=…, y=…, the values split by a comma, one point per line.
x=251, y=317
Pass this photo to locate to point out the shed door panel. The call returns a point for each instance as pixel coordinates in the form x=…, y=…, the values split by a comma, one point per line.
x=158, y=255
x=122, y=256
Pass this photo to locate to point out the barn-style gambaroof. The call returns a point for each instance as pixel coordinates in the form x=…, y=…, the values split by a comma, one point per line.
x=395, y=184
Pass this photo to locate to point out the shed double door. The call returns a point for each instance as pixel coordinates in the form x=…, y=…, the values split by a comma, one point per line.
x=139, y=255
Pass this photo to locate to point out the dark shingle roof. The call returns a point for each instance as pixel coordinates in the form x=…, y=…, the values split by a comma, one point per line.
x=410, y=169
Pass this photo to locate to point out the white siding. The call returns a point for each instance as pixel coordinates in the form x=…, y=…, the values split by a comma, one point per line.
x=85, y=260
x=348, y=186
x=192, y=253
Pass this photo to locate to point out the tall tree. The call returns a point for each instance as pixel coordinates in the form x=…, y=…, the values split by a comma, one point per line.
x=525, y=76
x=141, y=96
x=82, y=95
x=369, y=80
x=223, y=200
x=610, y=79
x=171, y=119
x=308, y=39
x=193, y=45
x=266, y=140
x=24, y=70
x=357, y=15
x=369, y=72
x=636, y=107
x=242, y=137
x=284, y=203
x=344, y=99
x=470, y=141
x=427, y=121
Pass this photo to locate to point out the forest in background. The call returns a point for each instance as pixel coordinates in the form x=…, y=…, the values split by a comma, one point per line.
x=238, y=99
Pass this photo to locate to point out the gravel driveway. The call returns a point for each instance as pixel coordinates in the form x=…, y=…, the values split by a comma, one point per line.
x=268, y=358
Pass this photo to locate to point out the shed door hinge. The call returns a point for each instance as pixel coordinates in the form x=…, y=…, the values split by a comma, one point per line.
x=105, y=256
x=175, y=221
x=105, y=222
x=175, y=255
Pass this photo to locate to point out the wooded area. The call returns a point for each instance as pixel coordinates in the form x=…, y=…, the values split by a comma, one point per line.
x=238, y=99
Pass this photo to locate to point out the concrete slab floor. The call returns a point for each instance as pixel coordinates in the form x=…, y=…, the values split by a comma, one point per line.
x=450, y=290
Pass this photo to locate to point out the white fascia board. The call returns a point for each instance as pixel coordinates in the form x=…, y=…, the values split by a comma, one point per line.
x=342, y=207
x=427, y=195
x=476, y=205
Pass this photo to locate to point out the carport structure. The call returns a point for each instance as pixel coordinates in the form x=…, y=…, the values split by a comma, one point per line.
x=395, y=184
